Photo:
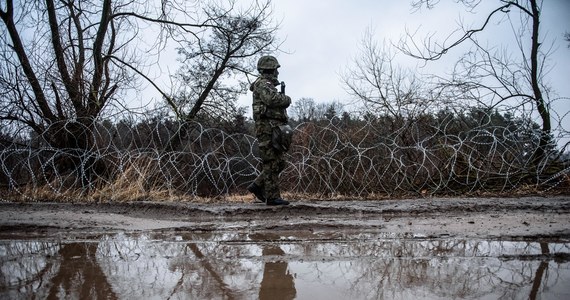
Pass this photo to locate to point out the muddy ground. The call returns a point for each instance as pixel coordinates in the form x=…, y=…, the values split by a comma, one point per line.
x=489, y=218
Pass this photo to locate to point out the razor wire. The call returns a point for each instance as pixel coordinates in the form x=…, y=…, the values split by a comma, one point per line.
x=156, y=159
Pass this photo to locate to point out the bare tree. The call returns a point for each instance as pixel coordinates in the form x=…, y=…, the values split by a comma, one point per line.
x=495, y=77
x=303, y=110
x=329, y=110
x=307, y=110
x=382, y=85
x=66, y=62
x=215, y=66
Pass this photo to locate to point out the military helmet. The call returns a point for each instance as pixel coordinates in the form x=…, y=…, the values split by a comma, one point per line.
x=267, y=62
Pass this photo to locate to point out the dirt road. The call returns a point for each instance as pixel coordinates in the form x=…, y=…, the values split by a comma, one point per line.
x=466, y=218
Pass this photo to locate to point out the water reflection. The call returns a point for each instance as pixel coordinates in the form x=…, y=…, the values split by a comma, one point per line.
x=277, y=282
x=281, y=265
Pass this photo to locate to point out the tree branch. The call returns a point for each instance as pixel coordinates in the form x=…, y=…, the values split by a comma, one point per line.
x=437, y=54
x=168, y=99
x=8, y=19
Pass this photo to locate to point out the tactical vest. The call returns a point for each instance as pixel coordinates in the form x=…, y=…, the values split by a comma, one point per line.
x=268, y=103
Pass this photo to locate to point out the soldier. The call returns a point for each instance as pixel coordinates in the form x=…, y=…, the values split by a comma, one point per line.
x=271, y=129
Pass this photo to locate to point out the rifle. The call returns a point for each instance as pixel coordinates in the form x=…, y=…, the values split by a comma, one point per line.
x=282, y=87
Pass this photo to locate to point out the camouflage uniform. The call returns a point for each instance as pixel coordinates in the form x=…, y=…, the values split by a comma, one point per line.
x=269, y=111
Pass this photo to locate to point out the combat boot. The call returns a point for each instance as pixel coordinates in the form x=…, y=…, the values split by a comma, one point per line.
x=277, y=201
x=257, y=191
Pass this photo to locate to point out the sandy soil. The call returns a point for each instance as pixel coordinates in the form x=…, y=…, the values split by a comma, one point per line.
x=489, y=218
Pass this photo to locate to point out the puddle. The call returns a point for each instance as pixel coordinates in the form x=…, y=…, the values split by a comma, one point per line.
x=281, y=265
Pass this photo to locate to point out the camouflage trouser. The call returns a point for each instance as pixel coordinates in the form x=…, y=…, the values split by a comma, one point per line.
x=272, y=161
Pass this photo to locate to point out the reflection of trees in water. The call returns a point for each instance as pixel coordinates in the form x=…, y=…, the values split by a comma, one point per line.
x=540, y=272
x=404, y=268
x=186, y=266
x=53, y=271
x=79, y=275
x=25, y=268
x=235, y=265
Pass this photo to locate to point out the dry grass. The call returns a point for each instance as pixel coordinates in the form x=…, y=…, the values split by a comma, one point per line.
x=134, y=194
x=134, y=186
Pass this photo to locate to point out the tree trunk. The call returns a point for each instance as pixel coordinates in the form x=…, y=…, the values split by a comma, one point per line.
x=543, y=110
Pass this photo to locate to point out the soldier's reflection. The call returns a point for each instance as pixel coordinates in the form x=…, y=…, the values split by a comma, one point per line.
x=277, y=282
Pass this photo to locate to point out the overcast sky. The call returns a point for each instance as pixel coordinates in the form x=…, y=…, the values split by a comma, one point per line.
x=322, y=38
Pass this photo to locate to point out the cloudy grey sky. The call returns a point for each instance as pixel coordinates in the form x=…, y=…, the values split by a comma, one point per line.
x=321, y=38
